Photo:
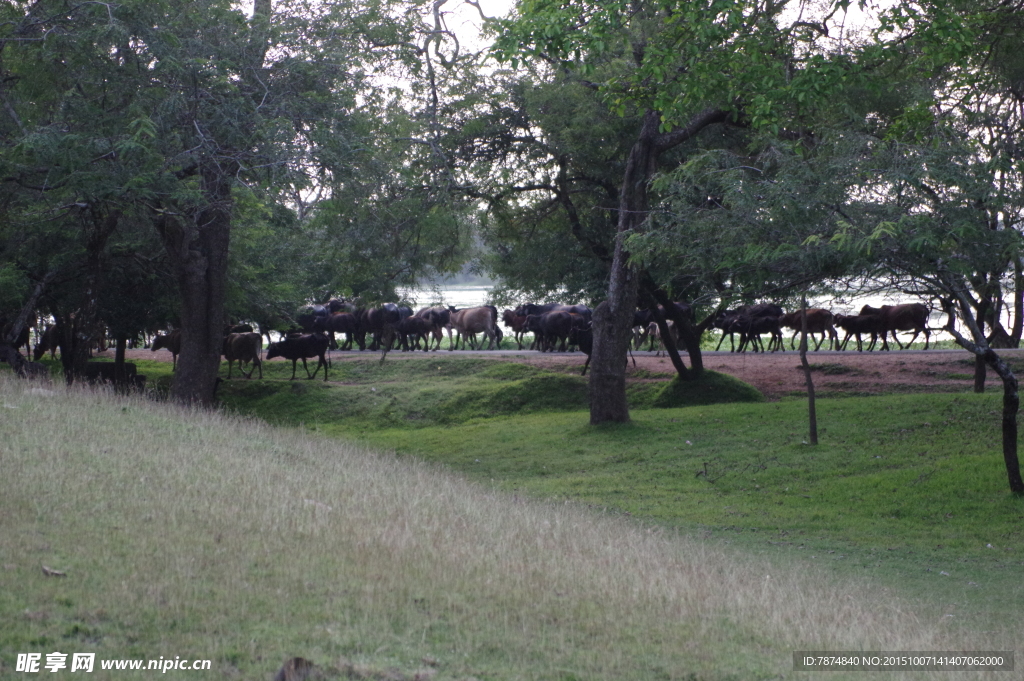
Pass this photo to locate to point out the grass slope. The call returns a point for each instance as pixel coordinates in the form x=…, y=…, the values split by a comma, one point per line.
x=910, y=489
x=184, y=533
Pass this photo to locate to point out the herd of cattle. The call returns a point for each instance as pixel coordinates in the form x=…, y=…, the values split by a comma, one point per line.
x=552, y=326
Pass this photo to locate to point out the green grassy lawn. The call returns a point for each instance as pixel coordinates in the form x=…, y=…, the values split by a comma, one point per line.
x=185, y=533
x=909, y=488
x=494, y=534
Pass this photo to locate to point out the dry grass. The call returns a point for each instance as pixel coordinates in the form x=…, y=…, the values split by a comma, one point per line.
x=188, y=533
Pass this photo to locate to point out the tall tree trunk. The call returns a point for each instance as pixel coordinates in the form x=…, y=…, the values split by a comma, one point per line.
x=81, y=327
x=613, y=318
x=812, y=409
x=1018, y=304
x=120, y=375
x=199, y=254
x=613, y=321
x=1011, y=405
x=980, y=372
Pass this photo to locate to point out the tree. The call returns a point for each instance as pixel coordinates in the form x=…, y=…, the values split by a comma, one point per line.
x=171, y=113
x=682, y=68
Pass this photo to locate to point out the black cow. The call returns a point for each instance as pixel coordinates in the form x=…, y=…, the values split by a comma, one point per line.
x=377, y=321
x=340, y=322
x=49, y=341
x=855, y=325
x=309, y=315
x=907, y=317
x=440, y=319
x=583, y=338
x=415, y=328
x=550, y=328
x=302, y=347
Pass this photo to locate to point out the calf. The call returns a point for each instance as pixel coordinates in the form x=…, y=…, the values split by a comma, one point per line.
x=243, y=347
x=550, y=328
x=517, y=323
x=103, y=372
x=302, y=347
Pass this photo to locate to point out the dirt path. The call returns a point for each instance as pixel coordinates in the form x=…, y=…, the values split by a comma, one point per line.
x=774, y=374
x=836, y=373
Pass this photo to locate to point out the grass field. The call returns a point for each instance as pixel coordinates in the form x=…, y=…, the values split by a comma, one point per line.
x=703, y=542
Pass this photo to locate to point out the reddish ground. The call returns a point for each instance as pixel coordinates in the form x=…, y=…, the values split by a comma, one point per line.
x=774, y=374
x=839, y=373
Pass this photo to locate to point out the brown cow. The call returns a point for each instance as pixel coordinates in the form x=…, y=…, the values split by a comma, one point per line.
x=473, y=320
x=170, y=341
x=906, y=317
x=517, y=323
x=818, y=321
x=243, y=347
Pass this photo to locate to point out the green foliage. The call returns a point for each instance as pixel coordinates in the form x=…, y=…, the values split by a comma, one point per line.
x=678, y=58
x=13, y=289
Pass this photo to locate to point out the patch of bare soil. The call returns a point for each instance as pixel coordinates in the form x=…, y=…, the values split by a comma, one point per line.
x=834, y=373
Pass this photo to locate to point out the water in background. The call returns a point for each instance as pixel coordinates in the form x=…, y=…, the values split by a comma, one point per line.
x=459, y=296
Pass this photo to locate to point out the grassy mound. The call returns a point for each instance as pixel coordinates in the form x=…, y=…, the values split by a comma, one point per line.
x=711, y=388
x=408, y=392
x=542, y=392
